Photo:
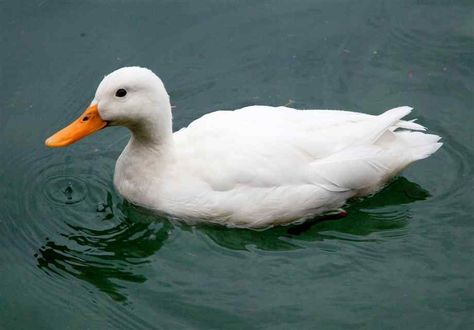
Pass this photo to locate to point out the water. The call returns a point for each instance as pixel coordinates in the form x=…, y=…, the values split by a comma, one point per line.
x=74, y=255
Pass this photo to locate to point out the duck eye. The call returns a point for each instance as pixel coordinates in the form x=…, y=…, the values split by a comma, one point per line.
x=121, y=92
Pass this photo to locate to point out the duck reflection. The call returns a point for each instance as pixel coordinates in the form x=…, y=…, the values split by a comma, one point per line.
x=104, y=257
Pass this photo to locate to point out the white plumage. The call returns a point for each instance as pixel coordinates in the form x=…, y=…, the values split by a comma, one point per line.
x=254, y=167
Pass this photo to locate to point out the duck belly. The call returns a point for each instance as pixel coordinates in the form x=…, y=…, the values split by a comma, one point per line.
x=251, y=207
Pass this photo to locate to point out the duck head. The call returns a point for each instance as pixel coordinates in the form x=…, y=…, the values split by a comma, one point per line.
x=133, y=97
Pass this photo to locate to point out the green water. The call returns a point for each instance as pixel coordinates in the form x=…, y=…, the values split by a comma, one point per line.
x=74, y=255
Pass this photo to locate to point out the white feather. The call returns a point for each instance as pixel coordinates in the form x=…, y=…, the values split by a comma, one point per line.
x=257, y=166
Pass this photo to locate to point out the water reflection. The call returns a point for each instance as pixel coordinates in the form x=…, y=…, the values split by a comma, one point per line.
x=104, y=257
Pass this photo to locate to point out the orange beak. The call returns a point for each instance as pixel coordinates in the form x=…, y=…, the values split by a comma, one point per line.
x=88, y=123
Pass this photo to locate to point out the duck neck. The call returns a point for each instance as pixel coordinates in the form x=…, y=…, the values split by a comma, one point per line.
x=151, y=136
x=154, y=133
x=143, y=161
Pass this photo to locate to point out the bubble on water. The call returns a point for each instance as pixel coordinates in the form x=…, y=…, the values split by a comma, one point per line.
x=101, y=207
x=66, y=190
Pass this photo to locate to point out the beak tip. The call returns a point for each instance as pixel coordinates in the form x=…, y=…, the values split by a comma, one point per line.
x=50, y=143
x=47, y=142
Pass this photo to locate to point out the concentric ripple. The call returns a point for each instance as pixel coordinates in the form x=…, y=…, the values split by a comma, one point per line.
x=66, y=190
x=64, y=213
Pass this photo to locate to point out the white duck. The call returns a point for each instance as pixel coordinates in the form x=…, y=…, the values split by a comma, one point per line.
x=254, y=167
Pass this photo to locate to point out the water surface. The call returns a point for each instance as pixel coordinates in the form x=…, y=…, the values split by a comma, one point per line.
x=74, y=255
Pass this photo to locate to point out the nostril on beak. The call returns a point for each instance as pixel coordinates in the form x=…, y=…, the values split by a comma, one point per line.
x=86, y=118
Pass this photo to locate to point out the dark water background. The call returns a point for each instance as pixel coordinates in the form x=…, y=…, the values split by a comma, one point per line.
x=74, y=255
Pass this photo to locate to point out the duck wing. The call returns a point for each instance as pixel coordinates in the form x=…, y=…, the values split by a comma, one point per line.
x=268, y=147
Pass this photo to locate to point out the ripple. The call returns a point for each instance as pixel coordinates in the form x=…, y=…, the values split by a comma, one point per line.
x=55, y=193
x=65, y=190
x=107, y=255
x=457, y=157
x=64, y=218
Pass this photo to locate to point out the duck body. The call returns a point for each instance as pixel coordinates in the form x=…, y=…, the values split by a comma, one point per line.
x=262, y=166
x=258, y=166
